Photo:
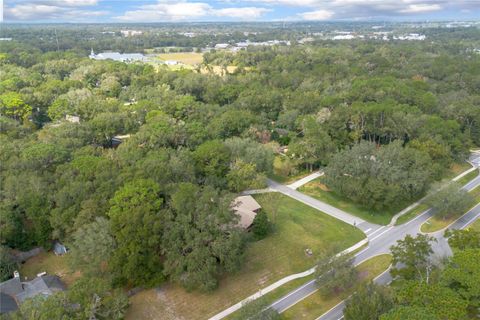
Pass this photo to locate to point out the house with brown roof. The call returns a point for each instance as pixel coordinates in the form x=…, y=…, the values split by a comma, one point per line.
x=246, y=207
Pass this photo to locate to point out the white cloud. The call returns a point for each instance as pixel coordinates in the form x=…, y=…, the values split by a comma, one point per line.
x=417, y=8
x=244, y=13
x=181, y=11
x=65, y=10
x=358, y=9
x=166, y=12
x=317, y=15
x=75, y=3
x=296, y=3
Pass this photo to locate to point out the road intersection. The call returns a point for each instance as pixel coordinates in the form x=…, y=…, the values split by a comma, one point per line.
x=379, y=239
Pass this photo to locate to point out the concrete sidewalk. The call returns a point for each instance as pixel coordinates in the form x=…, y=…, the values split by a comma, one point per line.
x=297, y=184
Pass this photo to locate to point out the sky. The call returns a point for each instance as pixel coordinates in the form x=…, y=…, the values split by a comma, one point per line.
x=114, y=11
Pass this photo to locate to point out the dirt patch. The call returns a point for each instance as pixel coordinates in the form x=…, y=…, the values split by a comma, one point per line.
x=152, y=304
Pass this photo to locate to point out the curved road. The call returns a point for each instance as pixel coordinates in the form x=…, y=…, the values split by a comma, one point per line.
x=380, y=240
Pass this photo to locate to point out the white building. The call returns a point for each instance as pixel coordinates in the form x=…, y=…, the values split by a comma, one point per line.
x=116, y=56
x=222, y=46
x=129, y=33
x=171, y=62
x=344, y=37
x=411, y=36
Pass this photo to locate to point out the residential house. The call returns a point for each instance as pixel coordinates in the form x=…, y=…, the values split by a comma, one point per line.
x=14, y=292
x=246, y=207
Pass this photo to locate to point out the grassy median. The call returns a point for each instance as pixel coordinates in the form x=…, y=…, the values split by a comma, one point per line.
x=315, y=305
x=435, y=223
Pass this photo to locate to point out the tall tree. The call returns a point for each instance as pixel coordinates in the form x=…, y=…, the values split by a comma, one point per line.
x=450, y=200
x=368, y=302
x=335, y=273
x=200, y=242
x=12, y=105
x=137, y=223
x=410, y=258
x=7, y=264
x=92, y=246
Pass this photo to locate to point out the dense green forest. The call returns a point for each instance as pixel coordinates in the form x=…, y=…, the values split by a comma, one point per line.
x=387, y=119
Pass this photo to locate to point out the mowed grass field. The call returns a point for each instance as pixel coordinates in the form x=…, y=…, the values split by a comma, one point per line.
x=297, y=227
x=315, y=305
x=190, y=58
x=50, y=263
x=318, y=190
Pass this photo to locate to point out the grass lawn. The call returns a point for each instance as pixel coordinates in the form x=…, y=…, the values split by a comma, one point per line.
x=318, y=190
x=190, y=58
x=475, y=226
x=457, y=168
x=280, y=292
x=297, y=227
x=411, y=214
x=467, y=178
x=50, y=263
x=316, y=304
x=436, y=223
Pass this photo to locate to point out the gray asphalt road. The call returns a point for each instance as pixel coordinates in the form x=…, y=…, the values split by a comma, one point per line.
x=381, y=238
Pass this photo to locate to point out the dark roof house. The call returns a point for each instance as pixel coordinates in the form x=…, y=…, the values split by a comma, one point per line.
x=14, y=292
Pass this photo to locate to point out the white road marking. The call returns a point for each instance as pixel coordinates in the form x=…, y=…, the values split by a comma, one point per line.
x=379, y=235
x=424, y=213
x=366, y=231
x=295, y=302
x=293, y=292
x=332, y=309
x=376, y=231
x=470, y=221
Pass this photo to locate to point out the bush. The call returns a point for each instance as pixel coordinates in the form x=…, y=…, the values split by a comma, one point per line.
x=261, y=225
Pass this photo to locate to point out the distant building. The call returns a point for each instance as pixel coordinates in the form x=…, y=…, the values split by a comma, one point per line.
x=344, y=37
x=171, y=62
x=14, y=292
x=116, y=56
x=5, y=39
x=246, y=208
x=130, y=33
x=306, y=40
x=222, y=46
x=189, y=34
x=411, y=36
